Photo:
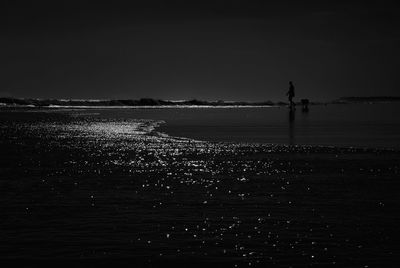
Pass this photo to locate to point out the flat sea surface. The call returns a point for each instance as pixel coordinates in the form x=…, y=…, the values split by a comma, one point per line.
x=360, y=125
x=230, y=187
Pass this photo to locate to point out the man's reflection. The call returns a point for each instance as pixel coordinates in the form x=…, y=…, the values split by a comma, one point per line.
x=291, y=126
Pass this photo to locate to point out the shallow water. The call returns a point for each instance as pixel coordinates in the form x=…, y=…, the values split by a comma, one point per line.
x=360, y=125
x=100, y=186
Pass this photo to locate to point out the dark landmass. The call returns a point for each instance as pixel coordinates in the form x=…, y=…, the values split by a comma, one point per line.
x=9, y=101
x=367, y=99
x=140, y=102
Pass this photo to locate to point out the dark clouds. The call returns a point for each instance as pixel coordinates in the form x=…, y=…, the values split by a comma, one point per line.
x=237, y=50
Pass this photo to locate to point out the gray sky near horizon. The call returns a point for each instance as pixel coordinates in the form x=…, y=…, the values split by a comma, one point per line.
x=230, y=50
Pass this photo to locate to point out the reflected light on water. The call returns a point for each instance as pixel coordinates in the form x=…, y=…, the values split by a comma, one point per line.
x=153, y=196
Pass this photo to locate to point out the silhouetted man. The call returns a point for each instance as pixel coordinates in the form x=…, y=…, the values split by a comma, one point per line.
x=290, y=94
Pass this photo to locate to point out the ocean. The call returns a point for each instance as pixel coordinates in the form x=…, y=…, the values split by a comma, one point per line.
x=230, y=187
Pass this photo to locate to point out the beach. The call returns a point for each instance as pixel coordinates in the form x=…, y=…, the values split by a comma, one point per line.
x=89, y=188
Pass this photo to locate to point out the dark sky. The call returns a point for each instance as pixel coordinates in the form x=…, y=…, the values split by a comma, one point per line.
x=230, y=50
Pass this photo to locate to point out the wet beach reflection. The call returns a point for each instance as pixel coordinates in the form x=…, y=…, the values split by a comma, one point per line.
x=292, y=114
x=86, y=187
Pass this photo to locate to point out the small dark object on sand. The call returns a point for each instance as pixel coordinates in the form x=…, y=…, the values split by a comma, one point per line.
x=305, y=103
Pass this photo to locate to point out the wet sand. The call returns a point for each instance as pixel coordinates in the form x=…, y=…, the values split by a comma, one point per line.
x=88, y=191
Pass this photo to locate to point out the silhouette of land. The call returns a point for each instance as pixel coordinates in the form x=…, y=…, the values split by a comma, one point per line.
x=126, y=102
x=367, y=99
x=10, y=101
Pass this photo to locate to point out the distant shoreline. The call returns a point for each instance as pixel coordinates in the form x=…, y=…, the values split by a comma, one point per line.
x=155, y=103
x=376, y=99
x=141, y=103
x=140, y=106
